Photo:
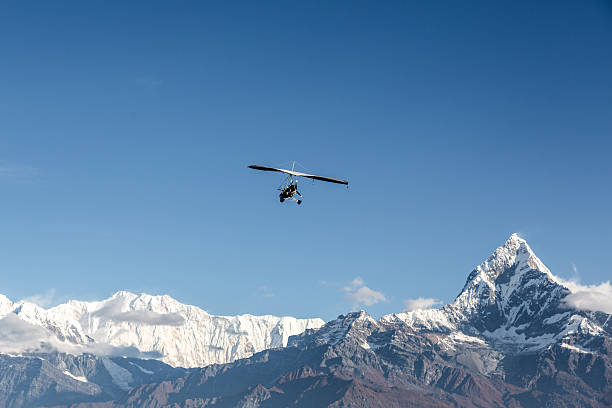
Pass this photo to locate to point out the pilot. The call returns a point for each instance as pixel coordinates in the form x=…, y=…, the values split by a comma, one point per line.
x=289, y=191
x=284, y=194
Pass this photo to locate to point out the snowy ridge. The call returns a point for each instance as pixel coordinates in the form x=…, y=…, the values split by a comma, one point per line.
x=355, y=328
x=351, y=325
x=424, y=319
x=155, y=326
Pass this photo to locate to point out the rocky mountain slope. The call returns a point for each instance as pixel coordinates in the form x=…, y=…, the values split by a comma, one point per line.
x=356, y=361
x=32, y=380
x=143, y=326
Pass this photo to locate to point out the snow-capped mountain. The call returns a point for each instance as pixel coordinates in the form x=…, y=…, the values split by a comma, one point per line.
x=144, y=325
x=511, y=299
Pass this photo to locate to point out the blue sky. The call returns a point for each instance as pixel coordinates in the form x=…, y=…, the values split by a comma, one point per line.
x=126, y=131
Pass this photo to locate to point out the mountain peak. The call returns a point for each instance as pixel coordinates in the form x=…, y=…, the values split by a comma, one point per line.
x=515, y=251
x=511, y=266
x=515, y=238
x=144, y=301
x=353, y=325
x=510, y=248
x=5, y=305
x=123, y=294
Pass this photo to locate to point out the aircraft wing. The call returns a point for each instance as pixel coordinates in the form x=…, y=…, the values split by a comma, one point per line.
x=297, y=173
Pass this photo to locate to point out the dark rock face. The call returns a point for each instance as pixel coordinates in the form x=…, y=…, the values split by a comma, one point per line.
x=508, y=340
x=62, y=379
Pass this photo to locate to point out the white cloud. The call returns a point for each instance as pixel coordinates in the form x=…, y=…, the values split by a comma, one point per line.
x=18, y=336
x=265, y=292
x=112, y=311
x=43, y=299
x=366, y=296
x=360, y=294
x=588, y=297
x=355, y=283
x=420, y=303
x=149, y=317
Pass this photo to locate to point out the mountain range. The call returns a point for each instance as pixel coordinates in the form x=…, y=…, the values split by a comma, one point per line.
x=127, y=324
x=509, y=339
